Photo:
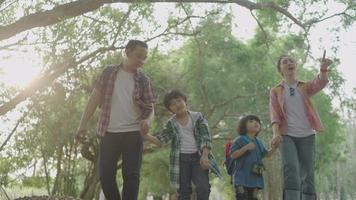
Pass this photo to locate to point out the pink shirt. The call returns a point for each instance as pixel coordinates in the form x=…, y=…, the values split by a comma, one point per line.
x=307, y=89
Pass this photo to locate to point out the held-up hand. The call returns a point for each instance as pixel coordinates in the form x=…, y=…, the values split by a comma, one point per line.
x=250, y=146
x=276, y=140
x=81, y=134
x=325, y=63
x=273, y=146
x=204, y=162
x=144, y=127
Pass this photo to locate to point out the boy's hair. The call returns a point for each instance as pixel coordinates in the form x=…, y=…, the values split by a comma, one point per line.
x=173, y=94
x=242, y=127
x=279, y=61
x=132, y=44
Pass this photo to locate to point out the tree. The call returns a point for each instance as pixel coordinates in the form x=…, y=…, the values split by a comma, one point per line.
x=216, y=70
x=77, y=8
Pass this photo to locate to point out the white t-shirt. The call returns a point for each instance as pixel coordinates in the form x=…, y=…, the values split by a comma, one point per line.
x=124, y=112
x=298, y=124
x=188, y=143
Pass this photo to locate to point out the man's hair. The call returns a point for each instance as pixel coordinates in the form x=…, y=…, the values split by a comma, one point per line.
x=132, y=44
x=173, y=94
x=242, y=127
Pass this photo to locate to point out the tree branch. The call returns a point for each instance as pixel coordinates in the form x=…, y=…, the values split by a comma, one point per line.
x=317, y=20
x=5, y=7
x=80, y=7
x=50, y=17
x=121, y=24
x=17, y=43
x=262, y=29
x=60, y=68
x=227, y=102
x=14, y=129
x=222, y=117
x=95, y=19
x=199, y=61
x=3, y=190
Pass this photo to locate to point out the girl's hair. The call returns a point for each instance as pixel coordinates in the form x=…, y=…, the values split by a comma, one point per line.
x=279, y=61
x=242, y=127
x=173, y=94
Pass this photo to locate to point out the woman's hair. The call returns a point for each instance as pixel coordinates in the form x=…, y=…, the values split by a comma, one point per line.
x=132, y=44
x=242, y=127
x=280, y=60
x=173, y=94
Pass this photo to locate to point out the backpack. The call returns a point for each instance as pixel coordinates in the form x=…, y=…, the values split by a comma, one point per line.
x=229, y=162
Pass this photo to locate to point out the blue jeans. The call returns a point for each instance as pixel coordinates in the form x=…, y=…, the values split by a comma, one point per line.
x=190, y=170
x=129, y=147
x=298, y=160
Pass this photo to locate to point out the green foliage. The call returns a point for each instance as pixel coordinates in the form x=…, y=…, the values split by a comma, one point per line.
x=5, y=169
x=223, y=77
x=36, y=181
x=155, y=174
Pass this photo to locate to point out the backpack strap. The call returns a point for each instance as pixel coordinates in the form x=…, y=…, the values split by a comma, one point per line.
x=259, y=144
x=227, y=148
x=242, y=158
x=260, y=147
x=245, y=138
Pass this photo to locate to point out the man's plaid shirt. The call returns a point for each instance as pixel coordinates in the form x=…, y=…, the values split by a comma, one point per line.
x=143, y=95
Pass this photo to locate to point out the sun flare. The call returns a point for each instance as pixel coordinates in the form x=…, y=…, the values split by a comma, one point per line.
x=19, y=70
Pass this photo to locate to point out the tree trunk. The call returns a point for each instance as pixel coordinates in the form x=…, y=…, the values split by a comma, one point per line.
x=89, y=151
x=338, y=181
x=273, y=180
x=57, y=181
x=173, y=196
x=194, y=195
x=46, y=173
x=157, y=198
x=91, y=183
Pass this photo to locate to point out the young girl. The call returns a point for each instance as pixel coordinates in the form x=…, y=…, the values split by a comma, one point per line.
x=248, y=151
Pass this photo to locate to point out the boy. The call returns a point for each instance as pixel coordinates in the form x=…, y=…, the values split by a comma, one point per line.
x=190, y=157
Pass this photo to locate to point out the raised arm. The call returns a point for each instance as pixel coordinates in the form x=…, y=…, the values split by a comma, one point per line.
x=239, y=152
x=162, y=138
x=321, y=80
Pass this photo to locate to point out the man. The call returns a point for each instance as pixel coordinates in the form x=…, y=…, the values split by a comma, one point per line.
x=125, y=97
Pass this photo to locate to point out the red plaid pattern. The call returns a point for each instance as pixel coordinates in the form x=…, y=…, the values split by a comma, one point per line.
x=143, y=95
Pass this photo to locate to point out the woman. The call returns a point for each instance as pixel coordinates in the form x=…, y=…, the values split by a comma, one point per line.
x=294, y=124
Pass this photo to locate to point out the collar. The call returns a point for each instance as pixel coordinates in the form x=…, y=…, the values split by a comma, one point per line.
x=281, y=84
x=174, y=117
x=120, y=66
